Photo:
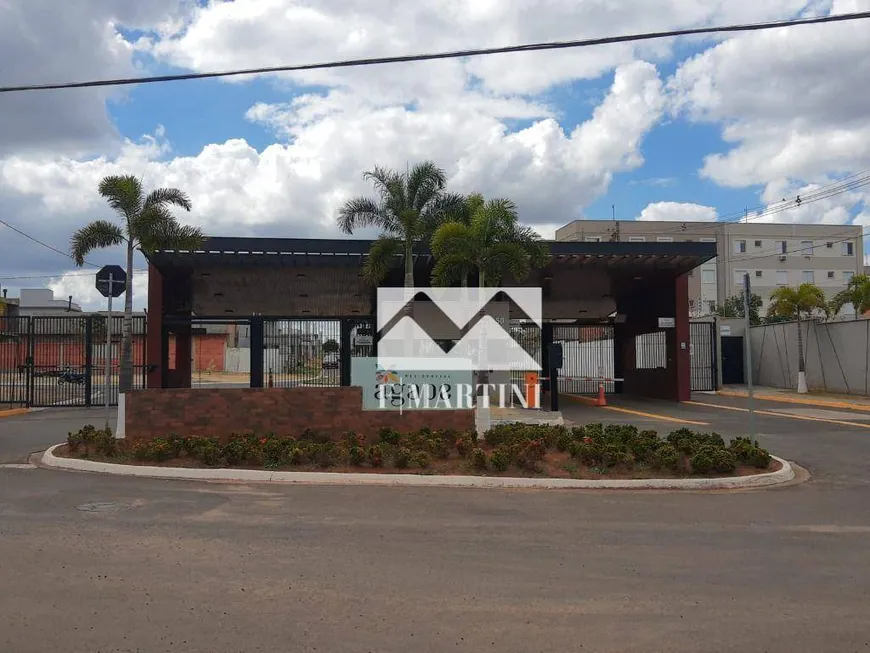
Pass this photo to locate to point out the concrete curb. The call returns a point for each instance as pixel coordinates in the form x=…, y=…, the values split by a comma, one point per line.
x=784, y=475
x=803, y=401
x=14, y=412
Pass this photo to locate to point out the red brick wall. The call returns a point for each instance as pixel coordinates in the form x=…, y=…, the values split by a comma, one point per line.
x=284, y=411
x=208, y=352
x=59, y=351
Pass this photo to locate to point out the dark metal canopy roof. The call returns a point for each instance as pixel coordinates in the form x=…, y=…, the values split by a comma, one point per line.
x=620, y=257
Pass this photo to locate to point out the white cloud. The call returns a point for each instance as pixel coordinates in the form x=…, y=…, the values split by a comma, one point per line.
x=296, y=188
x=81, y=287
x=678, y=212
x=793, y=103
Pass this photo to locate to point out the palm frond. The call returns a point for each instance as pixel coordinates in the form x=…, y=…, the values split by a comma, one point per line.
x=446, y=207
x=425, y=181
x=123, y=193
x=384, y=255
x=96, y=235
x=450, y=238
x=506, y=257
x=360, y=212
x=450, y=269
x=158, y=229
x=388, y=183
x=164, y=196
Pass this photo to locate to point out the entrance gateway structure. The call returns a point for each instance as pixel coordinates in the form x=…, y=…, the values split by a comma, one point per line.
x=303, y=310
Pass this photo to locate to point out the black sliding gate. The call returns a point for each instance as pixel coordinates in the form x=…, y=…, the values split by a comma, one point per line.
x=60, y=360
x=702, y=350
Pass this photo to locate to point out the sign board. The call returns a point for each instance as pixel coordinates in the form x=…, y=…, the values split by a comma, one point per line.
x=667, y=323
x=119, y=281
x=725, y=330
x=388, y=388
x=363, y=341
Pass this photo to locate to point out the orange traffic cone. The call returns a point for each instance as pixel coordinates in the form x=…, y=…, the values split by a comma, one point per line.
x=601, y=400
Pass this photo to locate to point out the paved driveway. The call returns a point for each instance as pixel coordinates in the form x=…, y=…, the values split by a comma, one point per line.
x=217, y=567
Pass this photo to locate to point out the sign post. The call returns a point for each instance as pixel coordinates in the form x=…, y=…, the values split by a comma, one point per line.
x=111, y=282
x=748, y=341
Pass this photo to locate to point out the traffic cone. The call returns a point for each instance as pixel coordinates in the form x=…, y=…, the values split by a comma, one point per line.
x=601, y=400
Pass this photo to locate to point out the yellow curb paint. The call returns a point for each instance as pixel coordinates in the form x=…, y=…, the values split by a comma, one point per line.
x=665, y=418
x=12, y=412
x=822, y=403
x=776, y=414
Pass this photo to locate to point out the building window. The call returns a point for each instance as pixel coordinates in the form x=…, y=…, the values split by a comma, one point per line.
x=739, y=246
x=711, y=304
x=783, y=247
x=830, y=274
x=593, y=239
x=758, y=243
x=847, y=276
x=665, y=239
x=738, y=276
x=807, y=247
x=848, y=248
x=807, y=276
x=759, y=274
x=637, y=239
x=781, y=278
x=830, y=245
x=708, y=276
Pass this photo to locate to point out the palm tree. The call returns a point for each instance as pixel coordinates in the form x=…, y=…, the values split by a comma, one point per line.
x=857, y=293
x=408, y=208
x=485, y=236
x=147, y=224
x=795, y=304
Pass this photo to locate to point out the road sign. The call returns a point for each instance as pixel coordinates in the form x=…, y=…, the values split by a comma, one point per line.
x=114, y=276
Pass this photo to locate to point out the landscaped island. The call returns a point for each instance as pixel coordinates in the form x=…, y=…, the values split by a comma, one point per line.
x=593, y=451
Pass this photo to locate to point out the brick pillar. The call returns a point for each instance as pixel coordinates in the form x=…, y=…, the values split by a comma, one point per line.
x=682, y=355
x=154, y=345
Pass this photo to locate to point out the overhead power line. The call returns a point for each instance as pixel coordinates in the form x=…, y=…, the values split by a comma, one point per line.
x=59, y=275
x=39, y=242
x=456, y=54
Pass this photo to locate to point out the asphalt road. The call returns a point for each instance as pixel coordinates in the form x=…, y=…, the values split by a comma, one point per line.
x=192, y=566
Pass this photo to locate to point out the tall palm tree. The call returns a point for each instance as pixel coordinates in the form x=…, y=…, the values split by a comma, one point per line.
x=485, y=236
x=147, y=224
x=796, y=304
x=409, y=206
x=857, y=293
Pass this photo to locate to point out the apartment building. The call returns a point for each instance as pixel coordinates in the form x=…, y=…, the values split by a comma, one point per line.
x=773, y=254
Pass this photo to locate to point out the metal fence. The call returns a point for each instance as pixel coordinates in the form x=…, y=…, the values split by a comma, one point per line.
x=702, y=350
x=60, y=360
x=587, y=356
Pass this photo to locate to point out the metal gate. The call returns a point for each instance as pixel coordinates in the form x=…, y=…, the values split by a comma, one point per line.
x=587, y=355
x=702, y=350
x=50, y=361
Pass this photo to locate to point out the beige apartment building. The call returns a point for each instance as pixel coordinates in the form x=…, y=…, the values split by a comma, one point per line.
x=773, y=254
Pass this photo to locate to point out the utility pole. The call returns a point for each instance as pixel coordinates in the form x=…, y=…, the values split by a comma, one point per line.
x=615, y=236
x=748, y=340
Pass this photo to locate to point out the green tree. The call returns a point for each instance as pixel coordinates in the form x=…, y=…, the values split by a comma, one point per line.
x=733, y=307
x=484, y=237
x=857, y=293
x=330, y=346
x=409, y=206
x=797, y=304
x=147, y=224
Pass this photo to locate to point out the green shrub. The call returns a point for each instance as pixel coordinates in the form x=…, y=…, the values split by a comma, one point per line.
x=593, y=431
x=501, y=459
x=356, y=456
x=389, y=436
x=478, y=458
x=466, y=443
x=750, y=453
x=438, y=445
x=528, y=454
x=615, y=454
x=375, y=455
x=710, y=458
x=643, y=445
x=564, y=441
x=402, y=457
x=243, y=449
x=325, y=454
x=665, y=456
x=421, y=459
x=156, y=450
x=310, y=435
x=277, y=452
x=208, y=451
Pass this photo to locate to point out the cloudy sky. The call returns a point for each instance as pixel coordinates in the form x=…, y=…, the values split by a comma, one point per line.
x=679, y=129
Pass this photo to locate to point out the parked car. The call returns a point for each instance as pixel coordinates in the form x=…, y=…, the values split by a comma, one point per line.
x=330, y=362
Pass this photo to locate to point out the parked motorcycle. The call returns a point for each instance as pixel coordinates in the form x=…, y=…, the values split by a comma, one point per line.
x=68, y=376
